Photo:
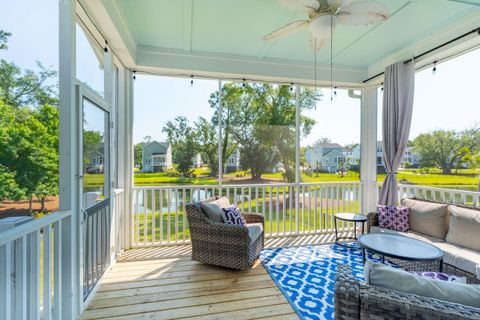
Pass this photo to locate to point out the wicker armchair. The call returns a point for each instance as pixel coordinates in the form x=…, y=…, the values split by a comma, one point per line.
x=222, y=244
x=355, y=300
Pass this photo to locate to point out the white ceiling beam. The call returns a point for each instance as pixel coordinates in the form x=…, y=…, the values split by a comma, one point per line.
x=182, y=63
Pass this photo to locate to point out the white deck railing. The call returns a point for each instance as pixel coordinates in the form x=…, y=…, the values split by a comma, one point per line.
x=159, y=211
x=30, y=267
x=454, y=196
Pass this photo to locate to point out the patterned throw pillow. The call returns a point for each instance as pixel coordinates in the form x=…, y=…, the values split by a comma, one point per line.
x=394, y=218
x=439, y=276
x=232, y=215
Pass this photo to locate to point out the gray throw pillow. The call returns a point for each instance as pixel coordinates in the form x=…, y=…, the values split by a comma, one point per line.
x=213, y=211
x=427, y=217
x=464, y=227
x=383, y=276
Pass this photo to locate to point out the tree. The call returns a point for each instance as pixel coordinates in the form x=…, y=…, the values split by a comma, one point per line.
x=91, y=142
x=446, y=149
x=9, y=189
x=323, y=140
x=207, y=143
x=183, y=139
x=3, y=39
x=261, y=120
x=137, y=154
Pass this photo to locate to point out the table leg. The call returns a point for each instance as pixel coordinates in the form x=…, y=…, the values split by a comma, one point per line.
x=355, y=230
x=441, y=266
x=336, y=232
x=383, y=259
x=364, y=253
x=363, y=227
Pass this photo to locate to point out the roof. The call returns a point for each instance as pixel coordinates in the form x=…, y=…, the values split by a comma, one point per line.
x=163, y=144
x=328, y=145
x=223, y=38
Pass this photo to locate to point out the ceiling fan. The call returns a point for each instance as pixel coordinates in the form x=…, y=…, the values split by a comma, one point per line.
x=324, y=15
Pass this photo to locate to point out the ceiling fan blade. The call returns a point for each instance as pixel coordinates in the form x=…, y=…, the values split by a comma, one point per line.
x=287, y=29
x=323, y=26
x=300, y=5
x=363, y=13
x=316, y=43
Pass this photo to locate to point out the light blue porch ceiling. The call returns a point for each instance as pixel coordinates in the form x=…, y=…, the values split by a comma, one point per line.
x=234, y=28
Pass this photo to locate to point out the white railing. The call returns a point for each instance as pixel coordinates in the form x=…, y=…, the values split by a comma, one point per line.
x=31, y=269
x=454, y=196
x=117, y=239
x=159, y=211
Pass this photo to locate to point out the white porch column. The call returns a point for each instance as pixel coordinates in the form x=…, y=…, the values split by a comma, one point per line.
x=125, y=149
x=69, y=161
x=368, y=150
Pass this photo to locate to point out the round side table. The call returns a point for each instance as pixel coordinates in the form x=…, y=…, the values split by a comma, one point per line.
x=350, y=217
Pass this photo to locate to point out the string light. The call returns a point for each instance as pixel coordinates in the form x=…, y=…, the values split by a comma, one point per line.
x=191, y=80
x=105, y=49
x=335, y=91
x=291, y=86
x=134, y=75
x=243, y=84
x=434, y=70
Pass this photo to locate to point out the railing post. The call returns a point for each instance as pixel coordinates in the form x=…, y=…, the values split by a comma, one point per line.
x=297, y=157
x=368, y=150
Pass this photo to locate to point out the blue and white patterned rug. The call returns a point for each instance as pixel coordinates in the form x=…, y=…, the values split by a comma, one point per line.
x=306, y=275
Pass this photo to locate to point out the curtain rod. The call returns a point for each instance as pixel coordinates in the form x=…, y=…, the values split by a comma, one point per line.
x=477, y=30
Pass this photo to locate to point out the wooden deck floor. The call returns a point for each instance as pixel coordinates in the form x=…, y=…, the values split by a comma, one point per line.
x=163, y=283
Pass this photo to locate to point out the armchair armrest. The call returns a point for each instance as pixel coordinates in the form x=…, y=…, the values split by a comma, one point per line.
x=252, y=217
x=346, y=294
x=372, y=220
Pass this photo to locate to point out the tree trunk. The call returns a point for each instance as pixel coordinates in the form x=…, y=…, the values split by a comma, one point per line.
x=446, y=170
x=42, y=202
x=30, y=204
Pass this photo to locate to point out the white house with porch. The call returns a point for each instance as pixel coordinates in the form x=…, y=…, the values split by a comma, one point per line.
x=156, y=156
x=116, y=258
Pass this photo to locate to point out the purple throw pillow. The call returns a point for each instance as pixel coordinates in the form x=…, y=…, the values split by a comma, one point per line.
x=232, y=215
x=439, y=276
x=394, y=218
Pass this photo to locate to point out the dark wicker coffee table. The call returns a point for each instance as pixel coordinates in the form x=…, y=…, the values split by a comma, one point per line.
x=350, y=217
x=400, y=247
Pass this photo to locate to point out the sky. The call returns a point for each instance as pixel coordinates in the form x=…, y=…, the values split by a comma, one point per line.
x=447, y=99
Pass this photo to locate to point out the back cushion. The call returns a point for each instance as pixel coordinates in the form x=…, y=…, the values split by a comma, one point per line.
x=427, y=217
x=464, y=228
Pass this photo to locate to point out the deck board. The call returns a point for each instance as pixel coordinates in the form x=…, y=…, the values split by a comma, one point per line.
x=164, y=283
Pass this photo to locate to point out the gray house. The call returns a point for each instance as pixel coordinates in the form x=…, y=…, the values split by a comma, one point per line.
x=325, y=156
x=156, y=157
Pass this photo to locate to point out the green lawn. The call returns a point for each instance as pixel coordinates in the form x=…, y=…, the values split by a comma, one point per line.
x=466, y=179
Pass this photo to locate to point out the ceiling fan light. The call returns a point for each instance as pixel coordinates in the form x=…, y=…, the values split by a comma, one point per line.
x=321, y=26
x=363, y=13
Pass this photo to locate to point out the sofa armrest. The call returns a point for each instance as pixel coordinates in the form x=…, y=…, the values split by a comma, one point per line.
x=383, y=303
x=372, y=220
x=252, y=217
x=346, y=294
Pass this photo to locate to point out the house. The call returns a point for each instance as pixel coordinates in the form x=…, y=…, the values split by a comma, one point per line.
x=156, y=157
x=410, y=156
x=95, y=161
x=325, y=156
x=233, y=162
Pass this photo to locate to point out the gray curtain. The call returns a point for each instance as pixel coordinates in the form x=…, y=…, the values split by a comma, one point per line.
x=397, y=116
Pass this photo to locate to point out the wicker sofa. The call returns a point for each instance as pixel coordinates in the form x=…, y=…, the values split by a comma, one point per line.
x=355, y=300
x=458, y=259
x=225, y=245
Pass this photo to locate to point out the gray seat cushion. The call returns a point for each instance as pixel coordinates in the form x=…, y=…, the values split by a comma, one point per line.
x=427, y=217
x=254, y=231
x=384, y=276
x=464, y=227
x=460, y=257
